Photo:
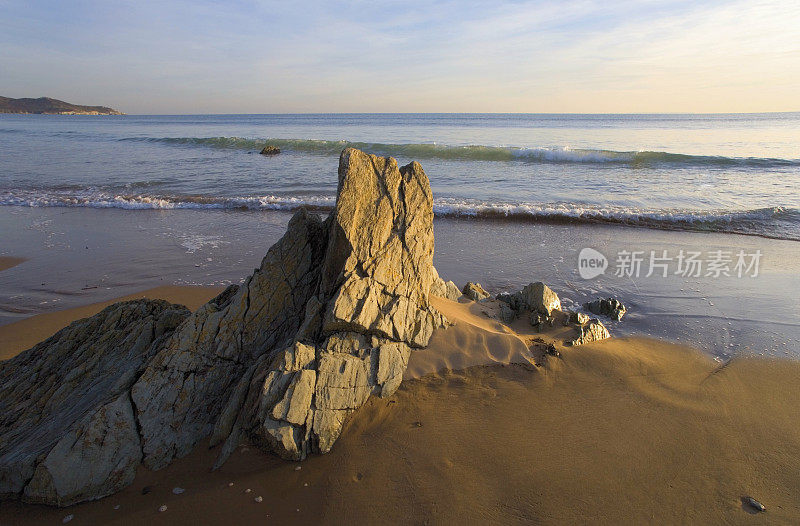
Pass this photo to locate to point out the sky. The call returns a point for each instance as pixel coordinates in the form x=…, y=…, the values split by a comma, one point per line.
x=257, y=56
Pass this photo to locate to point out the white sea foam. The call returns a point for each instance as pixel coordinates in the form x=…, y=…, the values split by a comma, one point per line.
x=770, y=222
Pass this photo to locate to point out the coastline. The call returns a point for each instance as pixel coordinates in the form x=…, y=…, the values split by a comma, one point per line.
x=478, y=430
x=724, y=317
x=18, y=336
x=7, y=262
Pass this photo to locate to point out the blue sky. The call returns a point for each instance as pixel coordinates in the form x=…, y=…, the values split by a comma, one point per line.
x=405, y=56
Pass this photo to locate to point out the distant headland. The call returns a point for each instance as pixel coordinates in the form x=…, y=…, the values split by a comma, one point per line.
x=48, y=106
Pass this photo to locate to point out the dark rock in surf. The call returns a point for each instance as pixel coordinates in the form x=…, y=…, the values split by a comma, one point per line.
x=270, y=150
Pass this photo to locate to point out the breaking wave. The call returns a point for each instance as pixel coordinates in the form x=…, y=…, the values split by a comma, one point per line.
x=565, y=155
x=774, y=222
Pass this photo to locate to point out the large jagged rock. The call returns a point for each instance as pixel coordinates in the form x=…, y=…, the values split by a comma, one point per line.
x=184, y=387
x=329, y=318
x=67, y=426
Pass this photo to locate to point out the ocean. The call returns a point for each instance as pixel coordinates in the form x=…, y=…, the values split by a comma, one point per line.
x=108, y=205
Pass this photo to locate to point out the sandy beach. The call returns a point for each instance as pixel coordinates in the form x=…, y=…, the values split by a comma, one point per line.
x=400, y=263
x=6, y=262
x=487, y=429
x=24, y=334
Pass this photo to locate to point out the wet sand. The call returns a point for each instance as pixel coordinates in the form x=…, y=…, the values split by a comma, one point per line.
x=6, y=262
x=625, y=431
x=24, y=334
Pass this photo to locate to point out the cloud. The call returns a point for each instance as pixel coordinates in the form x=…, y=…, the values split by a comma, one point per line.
x=263, y=56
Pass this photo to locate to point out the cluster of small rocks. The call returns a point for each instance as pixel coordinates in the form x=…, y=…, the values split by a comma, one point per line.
x=543, y=309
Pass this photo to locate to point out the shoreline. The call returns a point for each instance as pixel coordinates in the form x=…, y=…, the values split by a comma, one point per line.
x=723, y=316
x=21, y=335
x=594, y=433
x=7, y=262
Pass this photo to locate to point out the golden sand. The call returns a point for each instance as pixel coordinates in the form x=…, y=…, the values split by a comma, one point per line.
x=626, y=431
x=24, y=334
x=6, y=262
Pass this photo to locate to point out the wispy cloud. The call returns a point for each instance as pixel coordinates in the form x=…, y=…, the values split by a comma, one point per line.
x=264, y=56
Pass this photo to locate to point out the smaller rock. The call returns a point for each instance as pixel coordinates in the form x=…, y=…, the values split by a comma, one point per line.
x=505, y=297
x=163, y=508
x=248, y=490
x=538, y=297
x=230, y=484
x=298, y=468
x=607, y=307
x=258, y=499
x=591, y=332
x=453, y=292
x=754, y=504
x=445, y=289
x=270, y=150
x=67, y=518
x=177, y=491
x=552, y=351
x=535, y=318
x=506, y=314
x=578, y=317
x=474, y=291
x=116, y=507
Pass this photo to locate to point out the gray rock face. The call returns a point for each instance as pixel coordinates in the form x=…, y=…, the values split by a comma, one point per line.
x=328, y=319
x=474, y=291
x=578, y=317
x=67, y=425
x=592, y=331
x=607, y=307
x=445, y=289
x=506, y=313
x=539, y=298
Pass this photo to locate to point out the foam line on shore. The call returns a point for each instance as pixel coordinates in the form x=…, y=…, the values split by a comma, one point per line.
x=770, y=222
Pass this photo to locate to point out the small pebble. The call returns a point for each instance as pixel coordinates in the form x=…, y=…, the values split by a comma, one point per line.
x=258, y=499
x=305, y=484
x=248, y=490
x=163, y=507
x=753, y=503
x=230, y=484
x=67, y=518
x=116, y=507
x=298, y=468
x=177, y=491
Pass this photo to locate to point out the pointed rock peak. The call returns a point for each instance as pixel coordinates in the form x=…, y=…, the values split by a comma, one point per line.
x=329, y=318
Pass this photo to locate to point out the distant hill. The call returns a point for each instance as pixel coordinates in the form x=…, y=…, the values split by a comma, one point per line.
x=48, y=106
